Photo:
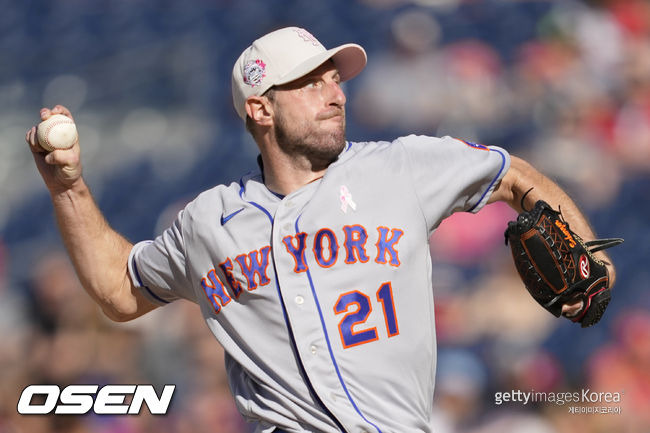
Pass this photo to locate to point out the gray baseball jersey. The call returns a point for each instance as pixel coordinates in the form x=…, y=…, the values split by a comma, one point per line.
x=323, y=299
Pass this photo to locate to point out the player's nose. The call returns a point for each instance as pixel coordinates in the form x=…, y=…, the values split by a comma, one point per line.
x=336, y=96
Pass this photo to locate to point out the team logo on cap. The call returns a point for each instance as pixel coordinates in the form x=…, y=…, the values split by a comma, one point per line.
x=307, y=37
x=254, y=72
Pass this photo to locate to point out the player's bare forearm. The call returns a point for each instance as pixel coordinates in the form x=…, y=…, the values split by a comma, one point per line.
x=98, y=253
x=523, y=180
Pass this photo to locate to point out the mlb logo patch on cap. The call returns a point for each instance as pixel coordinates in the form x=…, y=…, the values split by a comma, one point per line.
x=254, y=72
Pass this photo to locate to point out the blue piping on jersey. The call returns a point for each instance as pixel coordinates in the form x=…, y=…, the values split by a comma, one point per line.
x=241, y=195
x=503, y=164
x=303, y=372
x=329, y=345
x=137, y=276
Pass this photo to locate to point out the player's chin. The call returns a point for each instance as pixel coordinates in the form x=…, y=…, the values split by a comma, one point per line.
x=329, y=148
x=334, y=126
x=337, y=141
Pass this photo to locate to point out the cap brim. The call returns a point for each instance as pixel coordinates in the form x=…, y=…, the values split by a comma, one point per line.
x=349, y=59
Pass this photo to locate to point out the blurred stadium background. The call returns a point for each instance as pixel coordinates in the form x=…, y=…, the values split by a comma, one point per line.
x=565, y=84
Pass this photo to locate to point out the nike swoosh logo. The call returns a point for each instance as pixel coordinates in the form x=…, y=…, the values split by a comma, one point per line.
x=226, y=218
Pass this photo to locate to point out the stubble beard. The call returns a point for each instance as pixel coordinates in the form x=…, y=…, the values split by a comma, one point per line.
x=320, y=148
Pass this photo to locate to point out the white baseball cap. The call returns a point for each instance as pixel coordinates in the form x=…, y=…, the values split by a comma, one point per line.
x=284, y=55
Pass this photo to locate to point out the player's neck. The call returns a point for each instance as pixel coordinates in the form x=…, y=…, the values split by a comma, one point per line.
x=284, y=175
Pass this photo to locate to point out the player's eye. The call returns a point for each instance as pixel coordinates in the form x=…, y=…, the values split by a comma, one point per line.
x=315, y=84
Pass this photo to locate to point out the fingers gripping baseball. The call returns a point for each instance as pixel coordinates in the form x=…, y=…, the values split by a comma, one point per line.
x=55, y=146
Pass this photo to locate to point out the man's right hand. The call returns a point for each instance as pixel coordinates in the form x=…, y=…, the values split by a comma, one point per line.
x=60, y=169
x=98, y=252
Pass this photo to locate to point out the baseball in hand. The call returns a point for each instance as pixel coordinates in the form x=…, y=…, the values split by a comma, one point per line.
x=57, y=132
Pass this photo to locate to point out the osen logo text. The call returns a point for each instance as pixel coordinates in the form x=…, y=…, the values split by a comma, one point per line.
x=81, y=399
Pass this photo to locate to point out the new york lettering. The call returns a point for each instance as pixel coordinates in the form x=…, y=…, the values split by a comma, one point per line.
x=325, y=248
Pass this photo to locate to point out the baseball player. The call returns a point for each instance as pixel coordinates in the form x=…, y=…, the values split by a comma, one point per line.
x=313, y=273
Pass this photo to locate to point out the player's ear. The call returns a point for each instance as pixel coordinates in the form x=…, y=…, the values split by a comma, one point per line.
x=260, y=110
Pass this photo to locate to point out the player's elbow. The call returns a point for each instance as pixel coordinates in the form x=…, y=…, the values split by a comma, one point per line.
x=124, y=303
x=117, y=316
x=128, y=313
x=118, y=309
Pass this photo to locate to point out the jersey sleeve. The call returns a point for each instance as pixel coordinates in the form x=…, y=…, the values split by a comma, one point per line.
x=158, y=268
x=452, y=175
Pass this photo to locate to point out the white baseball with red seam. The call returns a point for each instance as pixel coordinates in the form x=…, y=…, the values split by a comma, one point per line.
x=57, y=132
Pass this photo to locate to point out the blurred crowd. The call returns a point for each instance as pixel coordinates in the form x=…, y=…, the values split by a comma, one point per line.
x=566, y=85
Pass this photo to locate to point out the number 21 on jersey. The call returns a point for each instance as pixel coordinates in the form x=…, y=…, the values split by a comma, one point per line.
x=356, y=307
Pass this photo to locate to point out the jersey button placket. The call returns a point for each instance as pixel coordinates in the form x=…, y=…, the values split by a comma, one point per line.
x=300, y=305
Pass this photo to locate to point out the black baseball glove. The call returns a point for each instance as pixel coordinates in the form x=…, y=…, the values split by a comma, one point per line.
x=556, y=266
